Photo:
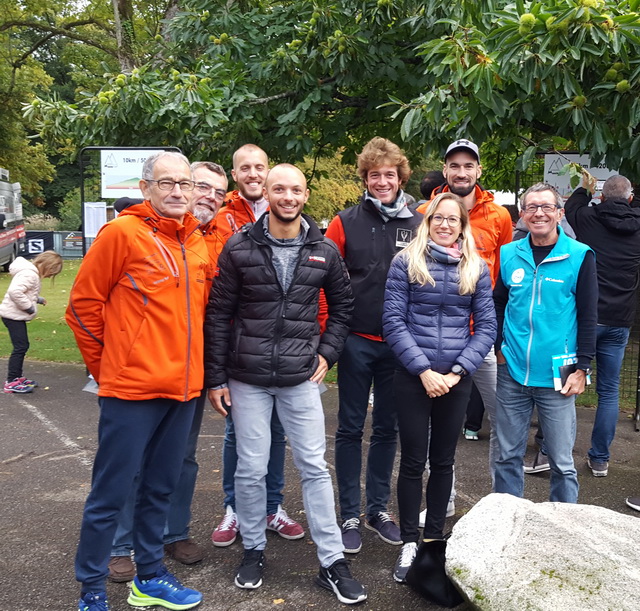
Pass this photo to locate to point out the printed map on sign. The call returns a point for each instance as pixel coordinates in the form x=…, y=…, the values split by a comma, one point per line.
x=553, y=163
x=121, y=170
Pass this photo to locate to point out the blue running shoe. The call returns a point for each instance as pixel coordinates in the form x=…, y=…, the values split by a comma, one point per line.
x=94, y=601
x=163, y=590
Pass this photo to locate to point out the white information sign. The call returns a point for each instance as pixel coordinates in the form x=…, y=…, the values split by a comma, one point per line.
x=95, y=216
x=121, y=170
x=554, y=163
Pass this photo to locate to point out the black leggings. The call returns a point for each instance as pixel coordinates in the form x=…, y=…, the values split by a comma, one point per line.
x=415, y=412
x=20, y=340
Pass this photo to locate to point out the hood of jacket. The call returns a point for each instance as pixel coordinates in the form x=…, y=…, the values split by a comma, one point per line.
x=618, y=216
x=21, y=264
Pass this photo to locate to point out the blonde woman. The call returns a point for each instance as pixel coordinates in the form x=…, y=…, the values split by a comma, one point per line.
x=19, y=305
x=434, y=287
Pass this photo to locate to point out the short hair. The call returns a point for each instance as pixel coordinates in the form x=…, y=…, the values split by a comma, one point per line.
x=49, y=263
x=380, y=151
x=537, y=188
x=617, y=187
x=150, y=162
x=431, y=180
x=216, y=168
x=248, y=148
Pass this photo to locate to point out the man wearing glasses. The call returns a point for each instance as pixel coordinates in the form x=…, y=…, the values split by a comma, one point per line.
x=137, y=312
x=206, y=198
x=546, y=303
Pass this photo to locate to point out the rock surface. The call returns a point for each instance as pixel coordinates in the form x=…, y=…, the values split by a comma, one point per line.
x=509, y=554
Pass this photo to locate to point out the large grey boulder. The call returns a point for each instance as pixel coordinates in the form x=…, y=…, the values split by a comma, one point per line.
x=509, y=554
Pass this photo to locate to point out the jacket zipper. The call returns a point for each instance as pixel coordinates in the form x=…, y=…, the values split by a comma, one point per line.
x=536, y=296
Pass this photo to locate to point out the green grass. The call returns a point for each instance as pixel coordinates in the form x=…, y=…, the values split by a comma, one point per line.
x=52, y=340
x=49, y=336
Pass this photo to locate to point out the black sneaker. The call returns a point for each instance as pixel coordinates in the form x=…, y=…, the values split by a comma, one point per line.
x=250, y=572
x=338, y=579
x=383, y=524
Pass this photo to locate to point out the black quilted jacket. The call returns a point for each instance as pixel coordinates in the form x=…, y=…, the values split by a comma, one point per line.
x=258, y=334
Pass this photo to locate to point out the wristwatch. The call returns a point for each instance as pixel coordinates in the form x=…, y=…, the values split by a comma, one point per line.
x=459, y=370
x=587, y=370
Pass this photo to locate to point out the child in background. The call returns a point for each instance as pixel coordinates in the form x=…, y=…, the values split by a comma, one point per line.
x=20, y=305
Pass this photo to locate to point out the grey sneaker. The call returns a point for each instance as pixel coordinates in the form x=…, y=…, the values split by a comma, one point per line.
x=599, y=469
x=404, y=561
x=539, y=464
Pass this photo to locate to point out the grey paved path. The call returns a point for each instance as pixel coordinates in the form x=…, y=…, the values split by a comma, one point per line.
x=47, y=440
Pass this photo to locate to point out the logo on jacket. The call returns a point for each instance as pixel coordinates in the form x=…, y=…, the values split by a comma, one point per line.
x=316, y=258
x=403, y=237
x=517, y=276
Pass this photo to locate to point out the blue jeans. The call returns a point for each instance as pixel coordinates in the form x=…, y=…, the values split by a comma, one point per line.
x=362, y=362
x=557, y=415
x=177, y=528
x=300, y=412
x=610, y=346
x=275, y=469
x=148, y=438
x=485, y=380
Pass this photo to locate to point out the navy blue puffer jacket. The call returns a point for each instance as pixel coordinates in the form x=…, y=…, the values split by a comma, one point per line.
x=428, y=327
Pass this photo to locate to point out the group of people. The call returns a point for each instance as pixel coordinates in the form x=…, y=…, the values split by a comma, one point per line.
x=400, y=296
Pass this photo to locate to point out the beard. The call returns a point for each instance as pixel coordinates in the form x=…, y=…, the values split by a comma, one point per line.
x=203, y=214
x=284, y=219
x=462, y=190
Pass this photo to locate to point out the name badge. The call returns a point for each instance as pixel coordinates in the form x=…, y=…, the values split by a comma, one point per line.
x=403, y=237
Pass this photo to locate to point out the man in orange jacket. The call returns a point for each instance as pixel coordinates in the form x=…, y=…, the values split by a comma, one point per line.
x=137, y=312
x=491, y=227
x=207, y=197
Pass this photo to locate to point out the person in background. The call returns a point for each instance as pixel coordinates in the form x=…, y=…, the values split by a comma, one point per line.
x=612, y=229
x=434, y=287
x=19, y=305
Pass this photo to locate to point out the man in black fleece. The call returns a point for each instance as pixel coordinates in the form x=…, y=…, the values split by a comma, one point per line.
x=612, y=229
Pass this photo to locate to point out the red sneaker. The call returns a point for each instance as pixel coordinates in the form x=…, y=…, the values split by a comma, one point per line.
x=227, y=531
x=281, y=523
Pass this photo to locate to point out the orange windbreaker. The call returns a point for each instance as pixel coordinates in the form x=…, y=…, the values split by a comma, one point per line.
x=137, y=306
x=234, y=214
x=491, y=227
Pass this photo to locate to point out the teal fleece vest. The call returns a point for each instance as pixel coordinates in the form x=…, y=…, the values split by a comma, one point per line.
x=541, y=317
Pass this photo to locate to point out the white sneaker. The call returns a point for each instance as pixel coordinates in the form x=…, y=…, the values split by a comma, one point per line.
x=451, y=511
x=404, y=561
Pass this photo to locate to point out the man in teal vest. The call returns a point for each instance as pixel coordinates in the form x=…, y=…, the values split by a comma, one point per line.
x=546, y=303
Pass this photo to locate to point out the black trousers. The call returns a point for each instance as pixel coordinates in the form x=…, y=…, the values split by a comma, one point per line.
x=20, y=340
x=415, y=412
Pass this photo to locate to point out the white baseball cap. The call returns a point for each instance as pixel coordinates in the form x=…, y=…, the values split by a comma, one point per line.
x=463, y=145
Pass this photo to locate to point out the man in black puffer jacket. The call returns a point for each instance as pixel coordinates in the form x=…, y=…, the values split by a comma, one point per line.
x=264, y=349
x=612, y=230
